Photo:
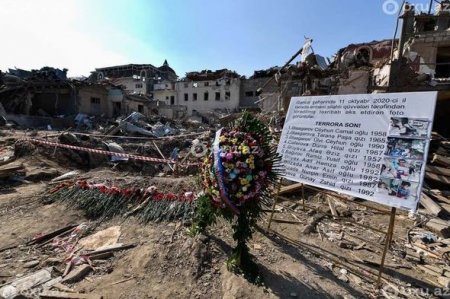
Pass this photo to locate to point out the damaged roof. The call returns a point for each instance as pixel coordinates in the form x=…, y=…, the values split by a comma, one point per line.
x=211, y=75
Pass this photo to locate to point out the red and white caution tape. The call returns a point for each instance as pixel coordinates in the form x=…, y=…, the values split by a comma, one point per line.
x=103, y=152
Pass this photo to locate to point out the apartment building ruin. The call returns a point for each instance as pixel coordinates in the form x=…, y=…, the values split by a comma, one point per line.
x=209, y=91
x=135, y=78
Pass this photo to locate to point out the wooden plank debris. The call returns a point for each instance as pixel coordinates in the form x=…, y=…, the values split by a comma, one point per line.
x=437, y=178
x=63, y=295
x=288, y=189
x=439, y=226
x=50, y=236
x=7, y=161
x=438, y=195
x=77, y=274
x=441, y=160
x=444, y=281
x=431, y=206
x=113, y=248
x=63, y=288
x=438, y=170
x=432, y=270
x=332, y=207
x=9, y=170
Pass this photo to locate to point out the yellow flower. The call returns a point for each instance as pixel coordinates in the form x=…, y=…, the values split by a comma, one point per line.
x=244, y=181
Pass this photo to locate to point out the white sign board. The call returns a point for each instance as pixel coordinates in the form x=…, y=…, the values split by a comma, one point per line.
x=372, y=146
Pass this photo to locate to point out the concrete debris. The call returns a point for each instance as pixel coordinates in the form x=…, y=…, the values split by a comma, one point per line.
x=67, y=175
x=26, y=284
x=77, y=274
x=100, y=239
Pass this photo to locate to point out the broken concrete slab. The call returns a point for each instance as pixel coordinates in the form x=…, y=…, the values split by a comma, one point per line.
x=104, y=238
x=67, y=175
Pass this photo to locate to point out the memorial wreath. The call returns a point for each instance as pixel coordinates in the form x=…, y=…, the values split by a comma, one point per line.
x=237, y=174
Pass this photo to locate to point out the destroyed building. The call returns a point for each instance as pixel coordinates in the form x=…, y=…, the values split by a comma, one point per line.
x=418, y=61
x=308, y=77
x=249, y=94
x=147, y=89
x=209, y=91
x=135, y=78
x=422, y=60
x=47, y=97
x=165, y=91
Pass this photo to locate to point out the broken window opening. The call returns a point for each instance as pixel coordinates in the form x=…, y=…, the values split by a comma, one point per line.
x=117, y=108
x=227, y=95
x=443, y=62
x=194, y=96
x=206, y=84
x=363, y=56
x=186, y=97
x=249, y=93
x=138, y=85
x=217, y=96
x=96, y=108
x=206, y=96
x=172, y=100
x=141, y=108
x=429, y=25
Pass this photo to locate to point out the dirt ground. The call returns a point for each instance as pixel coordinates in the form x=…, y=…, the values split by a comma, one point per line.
x=168, y=263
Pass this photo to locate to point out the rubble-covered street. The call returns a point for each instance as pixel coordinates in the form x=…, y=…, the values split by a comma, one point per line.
x=51, y=246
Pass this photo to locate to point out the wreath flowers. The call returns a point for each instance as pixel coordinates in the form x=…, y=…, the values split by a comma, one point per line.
x=236, y=177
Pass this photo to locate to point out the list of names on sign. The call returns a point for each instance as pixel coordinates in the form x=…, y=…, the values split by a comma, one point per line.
x=371, y=146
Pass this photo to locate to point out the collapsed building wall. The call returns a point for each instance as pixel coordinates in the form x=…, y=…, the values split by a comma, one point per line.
x=136, y=78
x=44, y=98
x=94, y=100
x=28, y=95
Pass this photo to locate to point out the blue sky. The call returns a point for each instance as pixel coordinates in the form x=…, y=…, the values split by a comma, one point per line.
x=242, y=35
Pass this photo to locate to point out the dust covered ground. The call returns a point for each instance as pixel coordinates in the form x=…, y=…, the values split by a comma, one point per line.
x=329, y=259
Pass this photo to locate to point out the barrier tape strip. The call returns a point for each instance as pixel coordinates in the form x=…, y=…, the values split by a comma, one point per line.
x=103, y=152
x=140, y=138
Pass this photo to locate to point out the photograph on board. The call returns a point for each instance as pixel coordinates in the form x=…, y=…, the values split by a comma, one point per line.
x=405, y=148
x=407, y=190
x=408, y=127
x=397, y=188
x=400, y=168
x=386, y=186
